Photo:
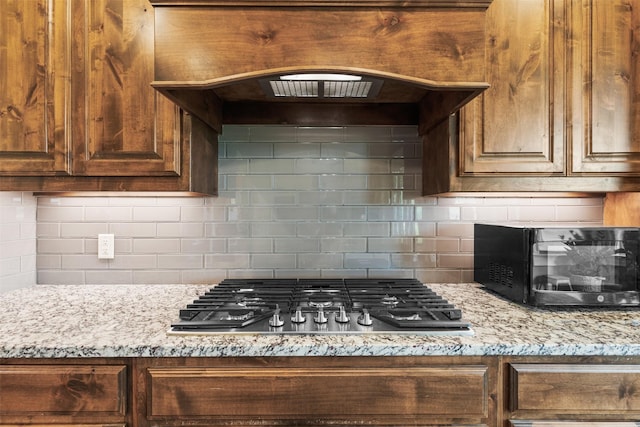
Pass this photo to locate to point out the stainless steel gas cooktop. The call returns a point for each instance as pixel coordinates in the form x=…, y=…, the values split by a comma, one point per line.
x=321, y=306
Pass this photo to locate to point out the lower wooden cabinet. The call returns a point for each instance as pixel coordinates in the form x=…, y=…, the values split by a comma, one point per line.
x=424, y=391
x=320, y=391
x=598, y=394
x=63, y=394
x=573, y=424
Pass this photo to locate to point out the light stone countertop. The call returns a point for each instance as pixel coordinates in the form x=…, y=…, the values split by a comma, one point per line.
x=48, y=321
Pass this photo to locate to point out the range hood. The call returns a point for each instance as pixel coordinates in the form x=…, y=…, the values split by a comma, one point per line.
x=320, y=62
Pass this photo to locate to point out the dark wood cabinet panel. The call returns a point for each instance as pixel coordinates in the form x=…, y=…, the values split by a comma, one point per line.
x=328, y=393
x=77, y=111
x=606, y=91
x=579, y=389
x=53, y=393
x=277, y=391
x=563, y=110
x=517, y=125
x=557, y=423
x=122, y=126
x=34, y=87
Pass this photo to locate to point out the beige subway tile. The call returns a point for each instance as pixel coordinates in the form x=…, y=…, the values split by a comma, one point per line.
x=343, y=244
x=249, y=150
x=180, y=229
x=296, y=182
x=146, y=229
x=296, y=245
x=367, y=166
x=455, y=261
x=454, y=229
x=61, y=246
x=320, y=260
x=306, y=134
x=83, y=229
x=413, y=260
x=531, y=213
x=84, y=261
x=318, y=166
x=111, y=213
x=271, y=166
x=226, y=261
x=580, y=213
x=483, y=213
x=109, y=277
x=156, y=277
x=203, y=246
x=269, y=261
x=57, y=277
x=157, y=246
x=202, y=213
x=207, y=276
x=60, y=214
x=181, y=261
x=296, y=150
x=134, y=262
x=250, y=245
x=150, y=214
x=9, y=266
x=390, y=244
x=367, y=260
x=439, y=276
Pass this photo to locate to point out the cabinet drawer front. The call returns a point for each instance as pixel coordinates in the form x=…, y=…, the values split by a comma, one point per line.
x=576, y=388
x=29, y=390
x=328, y=393
x=555, y=423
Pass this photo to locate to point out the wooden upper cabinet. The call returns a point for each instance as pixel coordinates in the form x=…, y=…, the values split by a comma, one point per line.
x=517, y=125
x=34, y=87
x=606, y=96
x=122, y=126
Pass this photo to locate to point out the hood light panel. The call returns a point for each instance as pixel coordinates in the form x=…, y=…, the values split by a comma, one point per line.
x=321, y=86
x=322, y=76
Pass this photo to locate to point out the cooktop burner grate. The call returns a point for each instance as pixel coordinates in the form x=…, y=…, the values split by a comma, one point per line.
x=316, y=306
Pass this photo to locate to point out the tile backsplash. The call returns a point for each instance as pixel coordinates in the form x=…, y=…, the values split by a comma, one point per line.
x=294, y=202
x=17, y=240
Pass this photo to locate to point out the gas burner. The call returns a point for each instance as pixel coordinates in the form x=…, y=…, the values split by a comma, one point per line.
x=239, y=315
x=249, y=301
x=320, y=306
x=390, y=300
x=404, y=316
x=320, y=303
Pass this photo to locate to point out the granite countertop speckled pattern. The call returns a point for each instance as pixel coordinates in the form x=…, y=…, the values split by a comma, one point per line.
x=49, y=321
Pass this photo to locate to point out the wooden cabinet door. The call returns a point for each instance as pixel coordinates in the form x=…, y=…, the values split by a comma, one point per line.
x=321, y=396
x=63, y=394
x=606, y=94
x=34, y=87
x=122, y=126
x=576, y=389
x=517, y=125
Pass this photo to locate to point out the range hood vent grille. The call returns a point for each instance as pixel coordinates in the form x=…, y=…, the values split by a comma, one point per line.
x=366, y=88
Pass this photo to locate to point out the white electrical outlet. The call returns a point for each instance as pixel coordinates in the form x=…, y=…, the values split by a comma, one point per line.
x=105, y=246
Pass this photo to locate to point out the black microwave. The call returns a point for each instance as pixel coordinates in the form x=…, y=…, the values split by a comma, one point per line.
x=559, y=266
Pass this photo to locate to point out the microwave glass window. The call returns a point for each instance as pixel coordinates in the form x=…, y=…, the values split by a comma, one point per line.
x=584, y=265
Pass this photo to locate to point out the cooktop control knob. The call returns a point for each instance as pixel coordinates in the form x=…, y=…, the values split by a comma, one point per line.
x=276, y=321
x=342, y=316
x=298, y=317
x=320, y=317
x=365, y=318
